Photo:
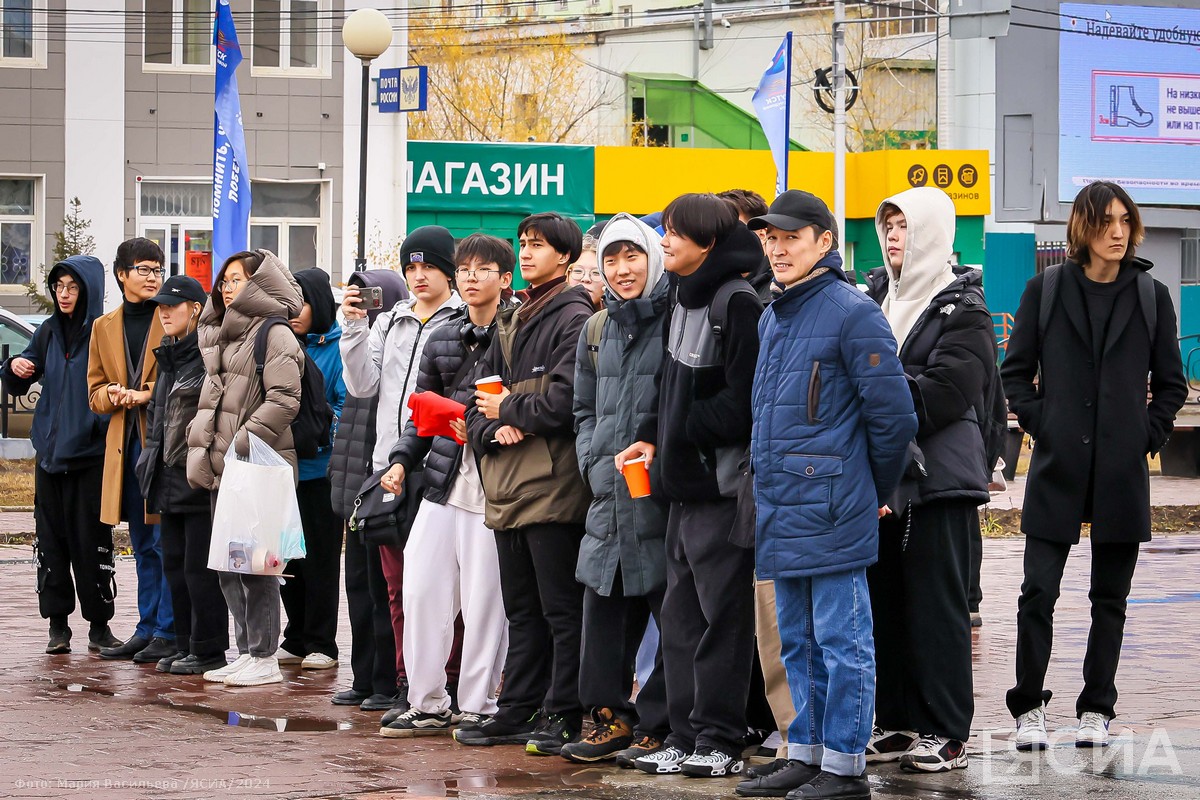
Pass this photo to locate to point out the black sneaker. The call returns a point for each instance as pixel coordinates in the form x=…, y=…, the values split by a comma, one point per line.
x=558, y=730
x=779, y=781
x=494, y=731
x=164, y=664
x=197, y=665
x=157, y=648
x=470, y=720
x=763, y=770
x=417, y=723
x=828, y=785
x=378, y=702
x=349, y=697
x=60, y=640
x=644, y=746
x=100, y=637
x=610, y=734
x=709, y=762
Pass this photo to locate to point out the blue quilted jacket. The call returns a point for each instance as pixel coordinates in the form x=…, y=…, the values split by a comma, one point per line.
x=833, y=417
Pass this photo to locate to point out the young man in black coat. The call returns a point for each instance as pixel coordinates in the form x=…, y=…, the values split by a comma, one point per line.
x=699, y=434
x=919, y=586
x=1106, y=326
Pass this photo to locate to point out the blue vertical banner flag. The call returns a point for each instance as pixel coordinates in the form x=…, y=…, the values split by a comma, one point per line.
x=231, y=174
x=773, y=104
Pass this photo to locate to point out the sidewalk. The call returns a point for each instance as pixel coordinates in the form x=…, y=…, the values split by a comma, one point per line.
x=1163, y=492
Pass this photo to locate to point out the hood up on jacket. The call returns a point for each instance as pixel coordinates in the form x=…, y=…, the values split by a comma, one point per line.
x=731, y=257
x=626, y=228
x=928, y=249
x=318, y=294
x=395, y=290
x=272, y=291
x=88, y=272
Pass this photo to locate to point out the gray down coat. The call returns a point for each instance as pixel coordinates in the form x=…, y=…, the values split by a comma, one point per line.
x=232, y=399
x=611, y=400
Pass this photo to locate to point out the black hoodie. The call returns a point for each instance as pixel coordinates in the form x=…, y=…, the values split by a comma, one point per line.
x=702, y=409
x=314, y=285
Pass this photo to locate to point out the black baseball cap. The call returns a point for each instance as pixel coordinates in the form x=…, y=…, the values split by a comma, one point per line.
x=794, y=210
x=180, y=289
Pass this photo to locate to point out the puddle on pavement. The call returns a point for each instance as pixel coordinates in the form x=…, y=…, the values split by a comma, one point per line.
x=235, y=719
x=450, y=787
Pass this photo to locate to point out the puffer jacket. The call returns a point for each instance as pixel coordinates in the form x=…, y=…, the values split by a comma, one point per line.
x=382, y=359
x=611, y=399
x=162, y=468
x=442, y=358
x=233, y=400
x=832, y=421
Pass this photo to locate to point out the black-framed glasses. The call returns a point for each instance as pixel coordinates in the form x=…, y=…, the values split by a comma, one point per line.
x=69, y=289
x=229, y=285
x=146, y=271
x=475, y=273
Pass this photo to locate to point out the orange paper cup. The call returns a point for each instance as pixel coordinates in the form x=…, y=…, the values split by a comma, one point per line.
x=637, y=477
x=492, y=384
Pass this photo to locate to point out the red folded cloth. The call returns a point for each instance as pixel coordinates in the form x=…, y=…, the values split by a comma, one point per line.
x=432, y=413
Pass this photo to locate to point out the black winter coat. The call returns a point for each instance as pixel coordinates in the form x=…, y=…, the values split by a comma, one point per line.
x=1092, y=425
x=949, y=357
x=443, y=356
x=353, y=444
x=162, y=467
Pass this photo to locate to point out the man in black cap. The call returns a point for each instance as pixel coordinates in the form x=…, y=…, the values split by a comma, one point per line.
x=310, y=596
x=201, y=616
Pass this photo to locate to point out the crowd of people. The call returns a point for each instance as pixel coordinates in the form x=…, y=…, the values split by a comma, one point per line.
x=804, y=560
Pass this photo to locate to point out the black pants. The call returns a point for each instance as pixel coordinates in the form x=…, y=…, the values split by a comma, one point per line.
x=201, y=617
x=544, y=606
x=613, y=628
x=1112, y=575
x=372, y=643
x=707, y=627
x=922, y=625
x=310, y=596
x=974, y=590
x=71, y=537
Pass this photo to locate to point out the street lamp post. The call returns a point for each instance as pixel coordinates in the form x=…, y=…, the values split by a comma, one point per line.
x=367, y=34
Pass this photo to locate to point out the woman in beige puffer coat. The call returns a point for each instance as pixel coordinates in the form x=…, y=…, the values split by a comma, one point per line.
x=234, y=402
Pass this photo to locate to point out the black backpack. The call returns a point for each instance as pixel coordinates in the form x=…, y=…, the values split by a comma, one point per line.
x=312, y=428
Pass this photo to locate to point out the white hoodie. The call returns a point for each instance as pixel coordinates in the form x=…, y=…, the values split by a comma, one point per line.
x=626, y=228
x=928, y=250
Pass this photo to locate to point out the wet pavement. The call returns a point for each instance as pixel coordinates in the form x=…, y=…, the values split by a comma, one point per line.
x=78, y=726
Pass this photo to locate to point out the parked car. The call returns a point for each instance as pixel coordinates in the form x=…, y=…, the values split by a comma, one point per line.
x=15, y=332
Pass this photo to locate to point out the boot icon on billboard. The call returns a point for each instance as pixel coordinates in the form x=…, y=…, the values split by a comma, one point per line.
x=1123, y=109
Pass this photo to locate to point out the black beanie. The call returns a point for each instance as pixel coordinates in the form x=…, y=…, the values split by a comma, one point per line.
x=431, y=244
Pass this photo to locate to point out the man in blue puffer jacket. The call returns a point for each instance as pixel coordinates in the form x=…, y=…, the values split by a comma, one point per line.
x=832, y=420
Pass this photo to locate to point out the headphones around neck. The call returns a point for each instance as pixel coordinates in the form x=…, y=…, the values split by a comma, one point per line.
x=473, y=335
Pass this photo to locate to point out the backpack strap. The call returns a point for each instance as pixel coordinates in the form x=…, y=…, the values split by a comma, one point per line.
x=1049, y=298
x=260, y=342
x=718, y=310
x=1145, y=290
x=595, y=329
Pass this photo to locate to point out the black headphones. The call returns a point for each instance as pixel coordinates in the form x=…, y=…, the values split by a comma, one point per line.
x=473, y=335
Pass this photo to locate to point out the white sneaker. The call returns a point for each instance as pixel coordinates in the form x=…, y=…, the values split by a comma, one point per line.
x=219, y=675
x=1031, y=730
x=1093, y=730
x=258, y=672
x=934, y=753
x=663, y=762
x=888, y=745
x=317, y=661
x=708, y=762
x=285, y=657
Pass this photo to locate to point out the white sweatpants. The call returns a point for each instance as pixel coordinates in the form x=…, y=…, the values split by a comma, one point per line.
x=450, y=565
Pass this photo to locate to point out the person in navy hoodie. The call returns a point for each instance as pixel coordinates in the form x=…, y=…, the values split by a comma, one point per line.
x=833, y=417
x=311, y=595
x=69, y=441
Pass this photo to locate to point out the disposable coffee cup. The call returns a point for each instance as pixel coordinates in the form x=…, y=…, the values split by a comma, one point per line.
x=492, y=384
x=637, y=477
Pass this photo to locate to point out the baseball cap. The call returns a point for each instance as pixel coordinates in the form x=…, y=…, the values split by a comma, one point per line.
x=180, y=289
x=794, y=210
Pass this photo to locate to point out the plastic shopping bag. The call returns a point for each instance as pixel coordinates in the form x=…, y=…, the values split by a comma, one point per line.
x=256, y=526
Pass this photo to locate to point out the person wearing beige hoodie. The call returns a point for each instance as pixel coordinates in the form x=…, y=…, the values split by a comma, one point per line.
x=236, y=401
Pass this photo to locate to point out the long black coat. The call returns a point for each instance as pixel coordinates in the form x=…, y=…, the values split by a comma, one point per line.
x=1092, y=425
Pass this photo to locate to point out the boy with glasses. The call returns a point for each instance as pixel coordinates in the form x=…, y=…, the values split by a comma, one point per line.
x=450, y=563
x=121, y=374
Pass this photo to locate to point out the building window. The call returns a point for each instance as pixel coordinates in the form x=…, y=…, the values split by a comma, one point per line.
x=1189, y=258
x=289, y=37
x=626, y=16
x=287, y=221
x=896, y=18
x=19, y=46
x=178, y=35
x=17, y=220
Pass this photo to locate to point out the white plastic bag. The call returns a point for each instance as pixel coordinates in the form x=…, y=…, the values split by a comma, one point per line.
x=256, y=525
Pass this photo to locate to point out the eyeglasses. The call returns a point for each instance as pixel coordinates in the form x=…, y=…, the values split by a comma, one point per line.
x=475, y=274
x=146, y=272
x=580, y=274
x=69, y=289
x=229, y=285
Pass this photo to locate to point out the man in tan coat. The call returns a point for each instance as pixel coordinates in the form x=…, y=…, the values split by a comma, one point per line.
x=121, y=373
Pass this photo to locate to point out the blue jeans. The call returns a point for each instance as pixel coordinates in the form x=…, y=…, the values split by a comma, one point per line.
x=829, y=655
x=157, y=616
